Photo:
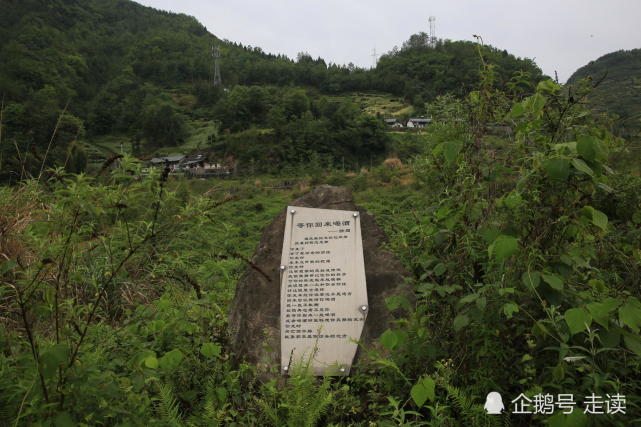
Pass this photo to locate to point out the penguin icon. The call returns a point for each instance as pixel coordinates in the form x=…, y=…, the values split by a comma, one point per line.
x=493, y=403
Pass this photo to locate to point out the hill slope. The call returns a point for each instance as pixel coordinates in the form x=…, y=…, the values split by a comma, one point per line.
x=119, y=68
x=620, y=91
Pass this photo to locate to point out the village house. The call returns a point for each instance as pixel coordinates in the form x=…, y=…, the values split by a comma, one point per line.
x=199, y=166
x=192, y=166
x=419, y=122
x=393, y=123
x=171, y=161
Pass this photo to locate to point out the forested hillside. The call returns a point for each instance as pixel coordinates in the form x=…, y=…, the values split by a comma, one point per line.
x=619, y=89
x=115, y=67
x=420, y=71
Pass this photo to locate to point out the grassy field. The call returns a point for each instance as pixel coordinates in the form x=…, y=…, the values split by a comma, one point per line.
x=379, y=103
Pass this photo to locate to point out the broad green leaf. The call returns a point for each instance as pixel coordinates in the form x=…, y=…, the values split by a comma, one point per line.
x=440, y=269
x=210, y=350
x=557, y=168
x=540, y=330
x=469, y=298
x=610, y=337
x=633, y=343
x=578, y=319
x=509, y=308
x=553, y=280
x=171, y=360
x=558, y=372
x=531, y=279
x=389, y=339
x=151, y=362
x=517, y=110
x=422, y=391
x=591, y=149
x=599, y=219
x=535, y=103
x=549, y=86
x=489, y=234
x=630, y=314
x=512, y=200
x=397, y=301
x=586, y=147
x=600, y=311
x=565, y=147
x=581, y=166
x=52, y=358
x=460, y=322
x=451, y=150
x=503, y=247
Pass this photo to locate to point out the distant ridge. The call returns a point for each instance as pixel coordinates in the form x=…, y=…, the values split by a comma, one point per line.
x=620, y=91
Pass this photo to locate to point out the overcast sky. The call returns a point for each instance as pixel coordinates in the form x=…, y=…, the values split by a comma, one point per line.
x=560, y=35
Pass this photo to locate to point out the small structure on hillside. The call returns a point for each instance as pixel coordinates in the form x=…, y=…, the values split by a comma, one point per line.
x=193, y=162
x=171, y=161
x=393, y=123
x=192, y=166
x=200, y=167
x=419, y=122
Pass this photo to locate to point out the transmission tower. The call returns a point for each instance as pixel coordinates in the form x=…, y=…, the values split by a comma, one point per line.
x=432, y=39
x=375, y=58
x=215, y=53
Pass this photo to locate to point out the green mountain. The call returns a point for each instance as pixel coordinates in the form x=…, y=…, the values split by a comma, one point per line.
x=420, y=71
x=619, y=91
x=115, y=67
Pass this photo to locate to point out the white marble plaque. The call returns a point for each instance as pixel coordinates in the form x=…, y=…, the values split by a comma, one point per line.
x=323, y=294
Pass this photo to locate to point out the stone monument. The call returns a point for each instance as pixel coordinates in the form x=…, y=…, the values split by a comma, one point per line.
x=257, y=320
x=323, y=302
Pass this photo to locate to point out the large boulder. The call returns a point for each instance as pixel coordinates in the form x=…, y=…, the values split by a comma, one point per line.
x=255, y=314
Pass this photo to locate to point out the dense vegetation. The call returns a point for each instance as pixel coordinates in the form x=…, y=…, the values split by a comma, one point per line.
x=420, y=71
x=524, y=251
x=618, y=75
x=512, y=211
x=113, y=67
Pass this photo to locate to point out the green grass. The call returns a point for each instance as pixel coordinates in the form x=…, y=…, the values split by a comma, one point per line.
x=198, y=132
x=378, y=103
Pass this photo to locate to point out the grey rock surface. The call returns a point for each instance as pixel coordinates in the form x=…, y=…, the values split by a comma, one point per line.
x=255, y=315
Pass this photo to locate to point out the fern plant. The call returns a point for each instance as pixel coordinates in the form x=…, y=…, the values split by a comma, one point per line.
x=168, y=408
x=301, y=402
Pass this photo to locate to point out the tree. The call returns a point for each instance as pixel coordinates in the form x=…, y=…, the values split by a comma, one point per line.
x=162, y=125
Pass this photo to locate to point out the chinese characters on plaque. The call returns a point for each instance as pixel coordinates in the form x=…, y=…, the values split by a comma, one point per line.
x=323, y=296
